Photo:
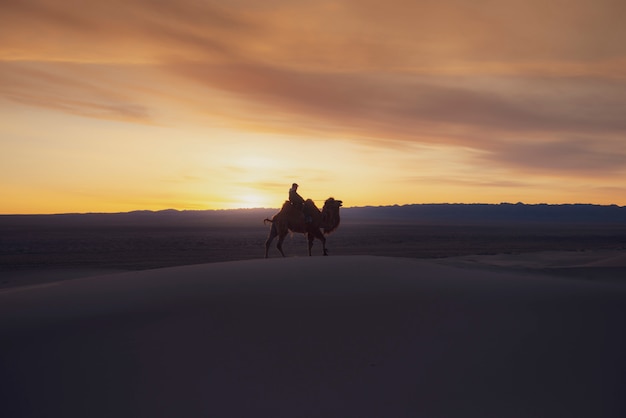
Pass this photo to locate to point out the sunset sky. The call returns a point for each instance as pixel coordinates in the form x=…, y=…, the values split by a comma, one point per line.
x=119, y=105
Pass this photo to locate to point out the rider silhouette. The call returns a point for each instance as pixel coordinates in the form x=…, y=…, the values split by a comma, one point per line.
x=298, y=202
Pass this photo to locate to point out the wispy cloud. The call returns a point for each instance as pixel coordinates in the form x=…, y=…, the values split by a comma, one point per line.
x=573, y=157
x=547, y=113
x=68, y=88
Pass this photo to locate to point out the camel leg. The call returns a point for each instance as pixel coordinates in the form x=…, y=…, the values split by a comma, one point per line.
x=316, y=233
x=281, y=238
x=310, y=237
x=323, y=239
x=270, y=238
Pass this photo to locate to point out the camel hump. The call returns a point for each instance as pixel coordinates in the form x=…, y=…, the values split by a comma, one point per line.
x=310, y=203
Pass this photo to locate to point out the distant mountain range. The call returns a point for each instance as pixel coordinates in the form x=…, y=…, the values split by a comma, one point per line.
x=417, y=213
x=503, y=212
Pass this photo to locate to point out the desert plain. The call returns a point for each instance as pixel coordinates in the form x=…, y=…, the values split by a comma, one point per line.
x=126, y=317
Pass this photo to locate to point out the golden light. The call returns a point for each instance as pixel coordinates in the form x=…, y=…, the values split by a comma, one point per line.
x=251, y=200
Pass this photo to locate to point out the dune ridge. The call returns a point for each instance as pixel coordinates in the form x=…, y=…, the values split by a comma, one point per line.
x=322, y=336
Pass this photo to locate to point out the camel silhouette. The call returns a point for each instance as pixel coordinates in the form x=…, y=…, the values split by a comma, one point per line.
x=292, y=219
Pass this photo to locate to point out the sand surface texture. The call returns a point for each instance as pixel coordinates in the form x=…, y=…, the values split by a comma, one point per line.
x=346, y=336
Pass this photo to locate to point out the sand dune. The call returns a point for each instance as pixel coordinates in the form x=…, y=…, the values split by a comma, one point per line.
x=607, y=266
x=615, y=259
x=352, y=336
x=549, y=259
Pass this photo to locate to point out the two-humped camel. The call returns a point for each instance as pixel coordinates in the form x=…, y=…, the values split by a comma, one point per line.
x=292, y=219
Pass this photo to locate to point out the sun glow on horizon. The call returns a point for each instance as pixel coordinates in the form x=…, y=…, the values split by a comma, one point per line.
x=251, y=201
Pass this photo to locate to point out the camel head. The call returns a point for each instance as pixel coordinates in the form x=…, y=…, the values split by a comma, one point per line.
x=330, y=214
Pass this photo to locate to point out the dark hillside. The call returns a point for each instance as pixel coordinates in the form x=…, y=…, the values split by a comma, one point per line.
x=485, y=213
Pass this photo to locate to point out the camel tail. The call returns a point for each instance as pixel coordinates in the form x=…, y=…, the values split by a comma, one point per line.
x=266, y=220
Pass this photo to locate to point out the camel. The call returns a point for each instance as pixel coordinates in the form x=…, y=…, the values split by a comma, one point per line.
x=292, y=219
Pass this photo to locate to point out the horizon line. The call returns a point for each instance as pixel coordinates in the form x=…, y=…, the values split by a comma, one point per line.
x=395, y=205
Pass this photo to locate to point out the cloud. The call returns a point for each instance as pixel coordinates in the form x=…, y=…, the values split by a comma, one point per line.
x=466, y=182
x=583, y=157
x=348, y=35
x=416, y=108
x=69, y=88
x=453, y=72
x=136, y=31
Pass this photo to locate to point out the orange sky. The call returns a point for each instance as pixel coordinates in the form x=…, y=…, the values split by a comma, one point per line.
x=152, y=104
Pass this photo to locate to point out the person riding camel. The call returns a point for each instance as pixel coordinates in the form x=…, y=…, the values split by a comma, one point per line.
x=298, y=202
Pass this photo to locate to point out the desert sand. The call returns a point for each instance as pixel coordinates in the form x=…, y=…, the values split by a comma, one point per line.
x=343, y=336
